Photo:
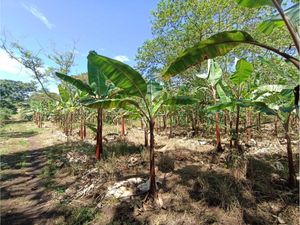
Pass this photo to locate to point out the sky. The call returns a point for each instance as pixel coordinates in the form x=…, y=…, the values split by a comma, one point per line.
x=114, y=28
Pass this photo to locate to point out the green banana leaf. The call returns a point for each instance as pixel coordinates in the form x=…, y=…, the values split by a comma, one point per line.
x=180, y=100
x=224, y=97
x=97, y=79
x=120, y=74
x=110, y=103
x=75, y=82
x=291, y=13
x=254, y=3
x=64, y=93
x=92, y=127
x=260, y=106
x=273, y=88
x=217, y=45
x=154, y=89
x=215, y=72
x=173, y=101
x=243, y=71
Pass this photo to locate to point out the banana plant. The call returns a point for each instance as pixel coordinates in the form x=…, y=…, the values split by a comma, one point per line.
x=97, y=88
x=213, y=76
x=273, y=100
x=67, y=106
x=222, y=43
x=146, y=97
x=277, y=100
x=235, y=91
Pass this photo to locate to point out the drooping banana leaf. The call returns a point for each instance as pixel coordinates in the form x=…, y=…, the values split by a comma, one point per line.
x=110, y=103
x=120, y=74
x=173, y=101
x=92, y=127
x=254, y=3
x=215, y=72
x=217, y=45
x=292, y=13
x=272, y=88
x=75, y=82
x=221, y=106
x=180, y=100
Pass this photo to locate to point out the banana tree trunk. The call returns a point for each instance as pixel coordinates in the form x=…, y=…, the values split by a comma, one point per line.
x=237, y=121
x=249, y=124
x=99, y=143
x=164, y=122
x=81, y=124
x=292, y=174
x=84, y=124
x=276, y=127
x=122, y=126
x=71, y=123
x=152, y=190
x=259, y=122
x=230, y=129
x=225, y=122
x=171, y=128
x=218, y=136
x=146, y=136
x=84, y=129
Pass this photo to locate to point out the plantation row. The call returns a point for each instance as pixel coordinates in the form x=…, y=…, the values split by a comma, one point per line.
x=226, y=91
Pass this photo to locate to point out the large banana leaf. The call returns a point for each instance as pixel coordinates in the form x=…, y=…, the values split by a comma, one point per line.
x=63, y=93
x=243, y=71
x=75, y=82
x=215, y=72
x=217, y=45
x=291, y=13
x=224, y=97
x=273, y=88
x=92, y=127
x=120, y=74
x=110, y=103
x=154, y=89
x=221, y=106
x=180, y=100
x=96, y=79
x=254, y=3
x=173, y=101
x=261, y=106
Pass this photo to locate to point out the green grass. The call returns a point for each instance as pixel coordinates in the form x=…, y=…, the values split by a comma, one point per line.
x=14, y=136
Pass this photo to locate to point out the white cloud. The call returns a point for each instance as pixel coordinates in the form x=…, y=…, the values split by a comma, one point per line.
x=121, y=58
x=38, y=14
x=13, y=67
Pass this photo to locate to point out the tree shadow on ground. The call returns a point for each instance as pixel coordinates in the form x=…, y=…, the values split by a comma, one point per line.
x=268, y=177
x=218, y=187
x=20, y=134
x=15, y=121
x=19, y=184
x=124, y=214
x=120, y=148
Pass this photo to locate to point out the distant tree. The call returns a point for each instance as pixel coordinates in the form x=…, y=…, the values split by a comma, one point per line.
x=32, y=61
x=12, y=92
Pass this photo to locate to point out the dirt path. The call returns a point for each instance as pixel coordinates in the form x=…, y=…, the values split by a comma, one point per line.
x=24, y=199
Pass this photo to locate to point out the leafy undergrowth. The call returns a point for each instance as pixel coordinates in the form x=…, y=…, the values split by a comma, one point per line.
x=197, y=187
